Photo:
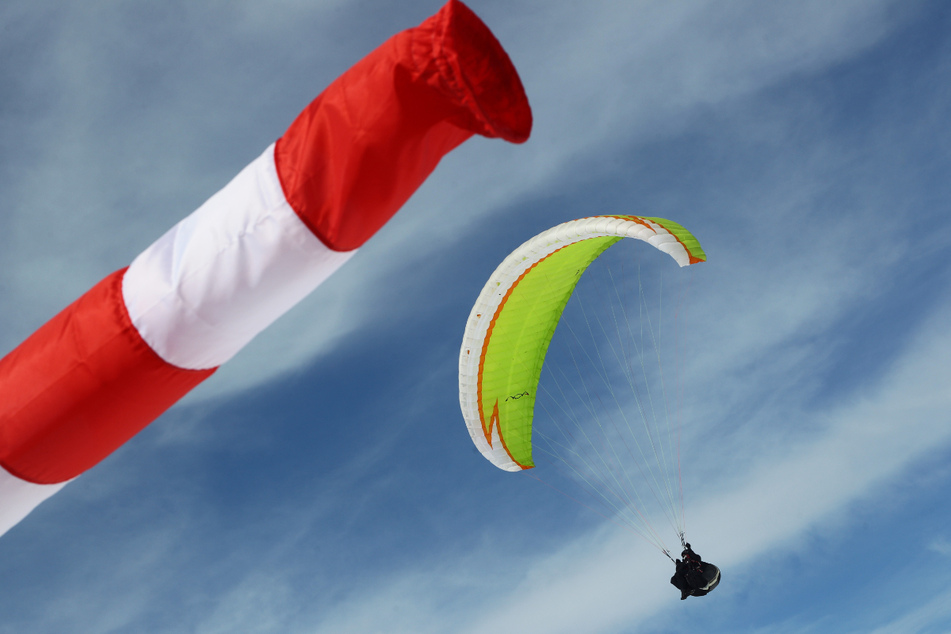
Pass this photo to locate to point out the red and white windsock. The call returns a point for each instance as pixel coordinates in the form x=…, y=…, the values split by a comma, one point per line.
x=140, y=339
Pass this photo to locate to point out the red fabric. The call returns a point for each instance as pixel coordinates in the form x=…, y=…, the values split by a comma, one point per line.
x=360, y=149
x=81, y=386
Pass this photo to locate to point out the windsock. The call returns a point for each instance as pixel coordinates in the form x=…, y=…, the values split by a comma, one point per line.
x=139, y=340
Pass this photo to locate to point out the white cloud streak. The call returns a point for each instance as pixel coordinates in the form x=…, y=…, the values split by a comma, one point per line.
x=942, y=546
x=602, y=582
x=932, y=616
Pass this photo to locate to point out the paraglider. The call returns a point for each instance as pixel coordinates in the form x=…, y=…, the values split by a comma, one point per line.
x=503, y=355
x=140, y=339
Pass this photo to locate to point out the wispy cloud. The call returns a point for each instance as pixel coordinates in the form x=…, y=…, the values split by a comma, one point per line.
x=932, y=616
x=600, y=581
x=942, y=546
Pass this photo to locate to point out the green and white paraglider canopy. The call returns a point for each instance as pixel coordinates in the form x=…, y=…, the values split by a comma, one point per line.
x=513, y=320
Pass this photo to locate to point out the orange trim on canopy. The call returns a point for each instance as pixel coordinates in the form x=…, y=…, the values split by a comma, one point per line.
x=487, y=430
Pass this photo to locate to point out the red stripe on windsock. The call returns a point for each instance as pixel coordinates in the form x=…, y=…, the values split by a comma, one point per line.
x=432, y=88
x=80, y=386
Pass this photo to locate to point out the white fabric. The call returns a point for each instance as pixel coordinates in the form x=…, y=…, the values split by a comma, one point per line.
x=20, y=497
x=223, y=274
x=507, y=273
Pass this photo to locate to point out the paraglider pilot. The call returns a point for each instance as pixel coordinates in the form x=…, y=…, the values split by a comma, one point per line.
x=693, y=576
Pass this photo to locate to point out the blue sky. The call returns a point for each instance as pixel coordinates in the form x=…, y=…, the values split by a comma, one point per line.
x=323, y=480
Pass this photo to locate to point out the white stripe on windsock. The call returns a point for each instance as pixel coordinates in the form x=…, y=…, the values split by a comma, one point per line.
x=223, y=274
x=20, y=497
